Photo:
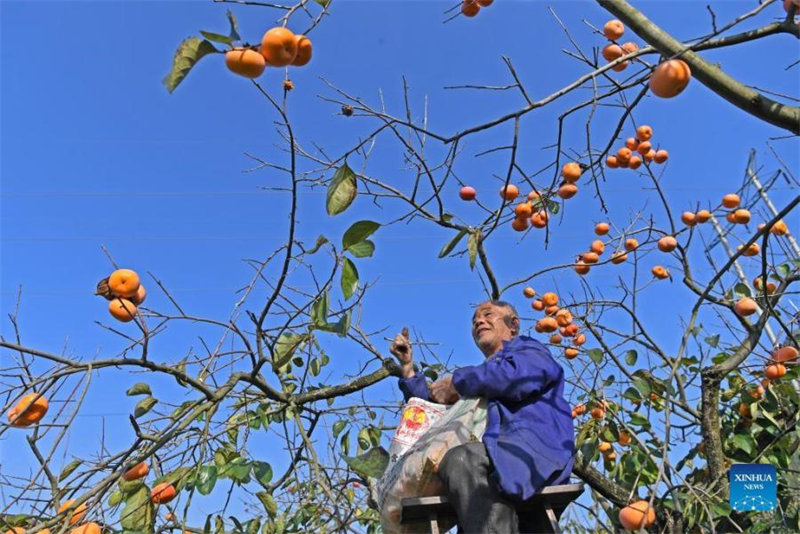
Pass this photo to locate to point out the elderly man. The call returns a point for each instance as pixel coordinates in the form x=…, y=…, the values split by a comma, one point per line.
x=528, y=443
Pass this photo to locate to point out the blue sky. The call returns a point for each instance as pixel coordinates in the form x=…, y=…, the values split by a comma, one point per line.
x=94, y=151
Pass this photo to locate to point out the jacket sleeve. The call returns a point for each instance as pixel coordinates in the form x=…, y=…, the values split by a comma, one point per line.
x=416, y=386
x=510, y=375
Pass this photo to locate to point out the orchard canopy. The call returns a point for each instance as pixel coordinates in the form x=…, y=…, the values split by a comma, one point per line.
x=216, y=214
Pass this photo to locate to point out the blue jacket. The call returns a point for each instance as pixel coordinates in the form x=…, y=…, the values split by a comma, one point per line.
x=529, y=435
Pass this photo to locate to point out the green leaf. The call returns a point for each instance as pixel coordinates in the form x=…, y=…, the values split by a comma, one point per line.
x=595, y=354
x=341, y=191
x=713, y=341
x=217, y=37
x=206, y=479
x=238, y=470
x=338, y=426
x=744, y=442
x=313, y=367
x=285, y=347
x=358, y=232
x=631, y=356
x=363, y=249
x=321, y=240
x=448, y=248
x=340, y=327
x=742, y=290
x=472, y=248
x=262, y=472
x=138, y=513
x=234, y=34
x=269, y=503
x=139, y=389
x=349, y=278
x=370, y=464
x=115, y=498
x=639, y=420
x=553, y=207
x=319, y=310
x=68, y=469
x=144, y=406
x=189, y=52
x=323, y=3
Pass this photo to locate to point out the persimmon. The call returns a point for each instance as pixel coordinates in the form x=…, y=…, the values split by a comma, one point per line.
x=533, y=195
x=571, y=172
x=571, y=353
x=603, y=446
x=688, y=218
x=611, y=162
x=485, y=3
x=613, y=29
x=74, y=515
x=624, y=438
x=582, y=268
x=551, y=310
x=529, y=292
x=630, y=47
x=590, y=257
x=610, y=457
x=775, y=371
x=598, y=413
x=279, y=46
x=550, y=299
x=644, y=147
x=752, y=250
x=660, y=272
x=757, y=392
x=87, y=528
x=303, y=50
x=563, y=317
x=650, y=156
x=619, y=257
x=661, y=156
x=631, y=243
x=519, y=225
x=123, y=283
x=580, y=409
x=623, y=163
x=470, y=8
x=547, y=324
x=703, y=216
x=667, y=243
x=509, y=192
x=670, y=78
x=567, y=191
x=635, y=162
x=122, y=310
x=136, y=472
x=731, y=200
x=745, y=306
x=779, y=228
x=597, y=246
x=523, y=210
x=644, y=133
x=637, y=515
x=789, y=4
x=757, y=283
x=537, y=305
x=579, y=339
x=140, y=295
x=730, y=218
x=16, y=530
x=30, y=409
x=467, y=193
x=741, y=216
x=555, y=339
x=744, y=410
x=245, y=62
x=785, y=354
x=162, y=493
x=612, y=51
x=624, y=154
x=572, y=329
x=601, y=228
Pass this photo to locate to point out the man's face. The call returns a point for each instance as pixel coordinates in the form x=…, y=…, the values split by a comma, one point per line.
x=489, y=328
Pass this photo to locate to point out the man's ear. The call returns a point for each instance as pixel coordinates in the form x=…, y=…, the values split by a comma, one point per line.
x=513, y=323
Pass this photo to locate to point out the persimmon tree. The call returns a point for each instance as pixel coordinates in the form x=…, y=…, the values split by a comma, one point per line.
x=655, y=419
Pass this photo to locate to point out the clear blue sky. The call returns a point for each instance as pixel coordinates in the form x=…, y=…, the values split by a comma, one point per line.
x=94, y=151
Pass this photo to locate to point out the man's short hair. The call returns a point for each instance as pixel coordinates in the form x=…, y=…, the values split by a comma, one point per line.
x=510, y=316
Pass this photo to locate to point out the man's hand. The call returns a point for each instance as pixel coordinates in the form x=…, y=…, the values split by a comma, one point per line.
x=443, y=391
x=401, y=348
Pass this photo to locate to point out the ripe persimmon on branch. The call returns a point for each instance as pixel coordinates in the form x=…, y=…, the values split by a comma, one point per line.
x=269, y=421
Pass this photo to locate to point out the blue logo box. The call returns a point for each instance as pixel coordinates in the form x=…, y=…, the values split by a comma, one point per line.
x=753, y=487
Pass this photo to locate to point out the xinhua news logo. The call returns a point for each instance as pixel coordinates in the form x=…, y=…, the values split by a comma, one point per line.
x=753, y=487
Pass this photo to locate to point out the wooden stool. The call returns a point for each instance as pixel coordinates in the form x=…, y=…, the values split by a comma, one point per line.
x=548, y=503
